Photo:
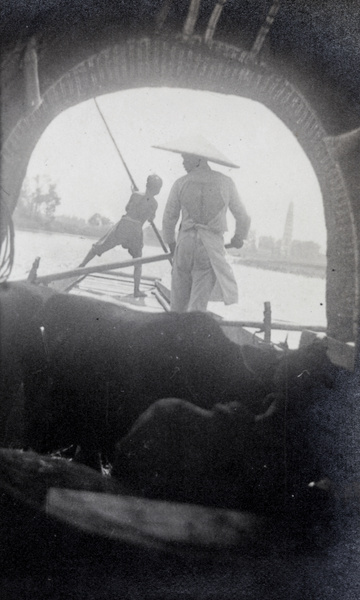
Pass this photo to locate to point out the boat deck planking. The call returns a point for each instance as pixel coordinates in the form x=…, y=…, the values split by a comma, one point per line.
x=108, y=283
x=119, y=289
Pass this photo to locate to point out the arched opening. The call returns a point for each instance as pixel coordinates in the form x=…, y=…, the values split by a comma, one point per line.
x=158, y=62
x=286, y=249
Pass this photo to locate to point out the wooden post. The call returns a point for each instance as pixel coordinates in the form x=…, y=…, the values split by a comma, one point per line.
x=33, y=271
x=267, y=322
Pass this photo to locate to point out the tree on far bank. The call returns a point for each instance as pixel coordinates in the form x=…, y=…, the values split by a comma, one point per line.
x=267, y=245
x=99, y=220
x=306, y=250
x=38, y=204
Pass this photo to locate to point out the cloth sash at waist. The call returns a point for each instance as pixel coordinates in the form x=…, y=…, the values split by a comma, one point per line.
x=127, y=218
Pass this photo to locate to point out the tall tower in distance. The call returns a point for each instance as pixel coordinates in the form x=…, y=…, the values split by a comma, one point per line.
x=288, y=232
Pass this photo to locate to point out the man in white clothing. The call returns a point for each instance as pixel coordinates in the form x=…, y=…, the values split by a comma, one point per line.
x=202, y=198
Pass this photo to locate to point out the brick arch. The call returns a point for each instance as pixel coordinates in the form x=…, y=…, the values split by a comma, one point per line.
x=158, y=62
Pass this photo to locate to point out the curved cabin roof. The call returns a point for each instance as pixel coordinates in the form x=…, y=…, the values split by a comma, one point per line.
x=313, y=43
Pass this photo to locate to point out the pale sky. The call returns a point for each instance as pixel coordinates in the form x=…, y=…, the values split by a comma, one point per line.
x=77, y=153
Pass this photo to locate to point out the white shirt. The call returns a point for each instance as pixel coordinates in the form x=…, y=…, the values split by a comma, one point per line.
x=202, y=197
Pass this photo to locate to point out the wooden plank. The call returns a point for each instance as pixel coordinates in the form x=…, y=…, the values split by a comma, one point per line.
x=164, y=291
x=121, y=289
x=116, y=273
x=279, y=326
x=144, y=304
x=65, y=285
x=151, y=522
x=114, y=282
x=78, y=272
x=28, y=476
x=165, y=305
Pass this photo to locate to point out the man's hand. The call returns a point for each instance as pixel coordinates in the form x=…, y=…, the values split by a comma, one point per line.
x=172, y=247
x=237, y=242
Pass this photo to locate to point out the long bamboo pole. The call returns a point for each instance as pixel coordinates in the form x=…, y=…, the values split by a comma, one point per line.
x=157, y=233
x=134, y=186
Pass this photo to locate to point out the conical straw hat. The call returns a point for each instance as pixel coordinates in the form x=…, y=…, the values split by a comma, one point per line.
x=197, y=145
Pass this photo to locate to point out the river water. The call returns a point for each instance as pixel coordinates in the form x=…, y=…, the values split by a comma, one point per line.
x=295, y=298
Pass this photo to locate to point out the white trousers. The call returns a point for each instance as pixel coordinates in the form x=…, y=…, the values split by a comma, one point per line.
x=193, y=277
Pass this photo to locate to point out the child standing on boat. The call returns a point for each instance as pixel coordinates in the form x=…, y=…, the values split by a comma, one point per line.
x=128, y=232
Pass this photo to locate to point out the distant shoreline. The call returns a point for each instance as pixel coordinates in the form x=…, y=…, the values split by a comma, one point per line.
x=309, y=270
x=306, y=269
x=50, y=232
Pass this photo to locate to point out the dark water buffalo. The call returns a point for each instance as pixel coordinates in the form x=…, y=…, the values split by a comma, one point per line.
x=107, y=364
x=225, y=457
x=97, y=367
x=20, y=307
x=178, y=451
x=230, y=457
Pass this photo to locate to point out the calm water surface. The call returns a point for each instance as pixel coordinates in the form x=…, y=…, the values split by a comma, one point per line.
x=293, y=298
